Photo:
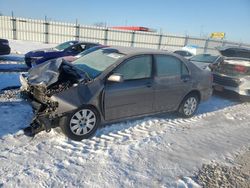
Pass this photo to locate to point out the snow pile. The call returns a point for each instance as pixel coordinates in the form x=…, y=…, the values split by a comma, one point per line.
x=9, y=80
x=22, y=47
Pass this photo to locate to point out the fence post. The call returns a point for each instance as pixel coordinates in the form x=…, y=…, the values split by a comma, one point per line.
x=14, y=28
x=46, y=30
x=159, y=42
x=77, y=33
x=106, y=36
x=132, y=39
x=206, y=45
x=223, y=42
x=186, y=40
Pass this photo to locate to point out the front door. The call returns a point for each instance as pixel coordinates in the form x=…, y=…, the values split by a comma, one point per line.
x=134, y=96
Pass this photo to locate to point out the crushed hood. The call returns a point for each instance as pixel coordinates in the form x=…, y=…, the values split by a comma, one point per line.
x=46, y=73
x=235, y=52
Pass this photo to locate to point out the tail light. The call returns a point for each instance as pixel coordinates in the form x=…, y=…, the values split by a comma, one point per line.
x=240, y=68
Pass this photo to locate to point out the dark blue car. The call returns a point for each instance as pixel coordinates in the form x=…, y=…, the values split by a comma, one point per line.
x=70, y=48
x=4, y=47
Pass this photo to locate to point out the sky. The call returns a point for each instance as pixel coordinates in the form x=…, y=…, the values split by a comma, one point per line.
x=178, y=17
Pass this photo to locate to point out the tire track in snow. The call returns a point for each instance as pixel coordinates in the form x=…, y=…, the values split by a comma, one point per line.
x=140, y=130
x=143, y=129
x=137, y=130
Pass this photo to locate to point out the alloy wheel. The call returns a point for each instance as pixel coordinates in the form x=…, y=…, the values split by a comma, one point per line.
x=82, y=122
x=190, y=106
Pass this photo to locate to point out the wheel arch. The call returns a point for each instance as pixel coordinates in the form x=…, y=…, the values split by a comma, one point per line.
x=195, y=92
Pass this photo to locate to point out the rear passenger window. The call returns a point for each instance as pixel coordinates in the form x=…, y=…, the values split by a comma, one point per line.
x=169, y=66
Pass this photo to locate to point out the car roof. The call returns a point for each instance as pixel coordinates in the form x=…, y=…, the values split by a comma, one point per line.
x=135, y=51
x=83, y=42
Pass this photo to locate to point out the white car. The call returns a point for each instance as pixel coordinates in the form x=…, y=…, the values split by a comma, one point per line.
x=233, y=73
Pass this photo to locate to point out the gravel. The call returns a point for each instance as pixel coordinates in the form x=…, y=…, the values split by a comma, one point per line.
x=10, y=95
x=222, y=176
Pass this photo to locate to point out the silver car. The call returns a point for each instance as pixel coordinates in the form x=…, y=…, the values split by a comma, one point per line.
x=233, y=73
x=109, y=85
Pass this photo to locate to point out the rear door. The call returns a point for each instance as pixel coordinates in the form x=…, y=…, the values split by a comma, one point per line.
x=134, y=96
x=172, y=82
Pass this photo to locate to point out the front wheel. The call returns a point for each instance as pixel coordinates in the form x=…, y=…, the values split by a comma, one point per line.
x=81, y=124
x=189, y=106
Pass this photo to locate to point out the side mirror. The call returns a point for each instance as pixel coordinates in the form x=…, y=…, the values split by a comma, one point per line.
x=115, y=78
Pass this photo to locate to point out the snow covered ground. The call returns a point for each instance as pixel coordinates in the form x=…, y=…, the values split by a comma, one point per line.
x=22, y=47
x=157, y=151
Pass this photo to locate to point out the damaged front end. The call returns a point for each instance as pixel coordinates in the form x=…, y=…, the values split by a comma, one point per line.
x=39, y=87
x=44, y=110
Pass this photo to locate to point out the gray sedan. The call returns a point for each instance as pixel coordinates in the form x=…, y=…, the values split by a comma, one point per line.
x=112, y=84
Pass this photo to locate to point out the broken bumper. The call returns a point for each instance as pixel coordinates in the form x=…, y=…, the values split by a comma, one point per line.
x=44, y=116
x=240, y=86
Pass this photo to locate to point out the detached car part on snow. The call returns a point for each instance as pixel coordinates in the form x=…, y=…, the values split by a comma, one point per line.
x=109, y=85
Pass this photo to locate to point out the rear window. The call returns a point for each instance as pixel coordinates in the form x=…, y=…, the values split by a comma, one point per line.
x=204, y=58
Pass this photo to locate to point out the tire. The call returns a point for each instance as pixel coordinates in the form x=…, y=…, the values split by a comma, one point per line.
x=81, y=124
x=189, y=105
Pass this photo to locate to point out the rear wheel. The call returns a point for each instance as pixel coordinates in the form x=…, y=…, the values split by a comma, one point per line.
x=81, y=124
x=189, y=105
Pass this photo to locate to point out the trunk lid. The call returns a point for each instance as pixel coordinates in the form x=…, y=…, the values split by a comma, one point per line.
x=236, y=62
x=235, y=52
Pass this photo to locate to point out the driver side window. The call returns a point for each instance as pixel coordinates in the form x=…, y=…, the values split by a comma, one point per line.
x=77, y=48
x=139, y=67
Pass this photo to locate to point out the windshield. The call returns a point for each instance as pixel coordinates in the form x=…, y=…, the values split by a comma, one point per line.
x=85, y=52
x=96, y=62
x=205, y=58
x=64, y=45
